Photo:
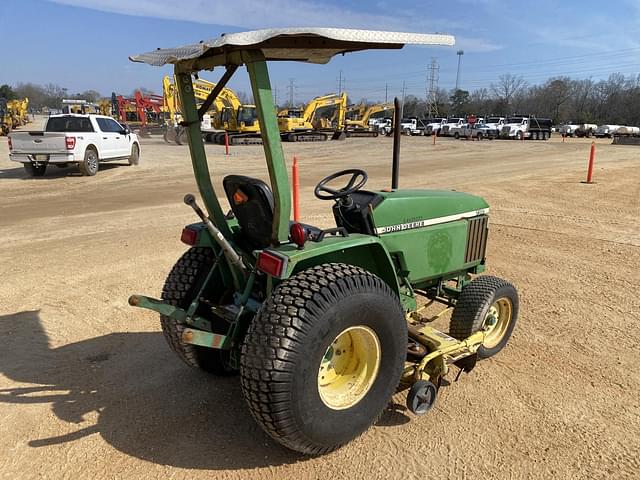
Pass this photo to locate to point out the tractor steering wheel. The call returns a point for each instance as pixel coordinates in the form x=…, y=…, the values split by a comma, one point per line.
x=356, y=182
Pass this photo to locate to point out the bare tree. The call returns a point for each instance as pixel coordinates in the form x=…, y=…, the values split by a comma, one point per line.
x=507, y=87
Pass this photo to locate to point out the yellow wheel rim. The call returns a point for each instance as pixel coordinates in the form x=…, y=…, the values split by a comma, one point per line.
x=497, y=321
x=349, y=367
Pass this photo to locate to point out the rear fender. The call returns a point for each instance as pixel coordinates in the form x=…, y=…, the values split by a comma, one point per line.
x=359, y=250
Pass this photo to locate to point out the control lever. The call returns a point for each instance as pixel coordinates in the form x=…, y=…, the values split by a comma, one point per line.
x=232, y=257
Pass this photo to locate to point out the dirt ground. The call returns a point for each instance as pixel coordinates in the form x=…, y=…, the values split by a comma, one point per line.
x=88, y=388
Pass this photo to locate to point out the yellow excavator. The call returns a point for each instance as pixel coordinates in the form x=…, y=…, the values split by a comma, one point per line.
x=320, y=117
x=238, y=120
x=18, y=111
x=5, y=118
x=227, y=115
x=360, y=127
x=174, y=132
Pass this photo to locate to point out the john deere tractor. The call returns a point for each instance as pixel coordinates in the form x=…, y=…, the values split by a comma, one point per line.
x=323, y=325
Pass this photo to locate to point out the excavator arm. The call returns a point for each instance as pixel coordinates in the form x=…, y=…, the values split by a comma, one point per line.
x=377, y=108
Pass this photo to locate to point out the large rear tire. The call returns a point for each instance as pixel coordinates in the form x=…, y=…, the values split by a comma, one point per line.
x=484, y=301
x=324, y=355
x=182, y=283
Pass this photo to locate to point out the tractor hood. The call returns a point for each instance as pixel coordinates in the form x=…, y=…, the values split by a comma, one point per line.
x=409, y=209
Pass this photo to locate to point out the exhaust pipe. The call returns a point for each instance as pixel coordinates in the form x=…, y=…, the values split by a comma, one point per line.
x=397, y=121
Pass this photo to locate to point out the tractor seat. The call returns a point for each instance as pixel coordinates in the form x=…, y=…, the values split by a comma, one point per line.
x=251, y=202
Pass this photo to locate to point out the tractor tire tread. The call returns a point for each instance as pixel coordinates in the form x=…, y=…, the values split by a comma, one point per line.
x=176, y=287
x=474, y=300
x=270, y=348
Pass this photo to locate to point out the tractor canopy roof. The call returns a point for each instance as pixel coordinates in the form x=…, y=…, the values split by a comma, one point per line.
x=312, y=45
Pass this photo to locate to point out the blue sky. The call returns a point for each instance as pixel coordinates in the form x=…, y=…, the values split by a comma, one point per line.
x=85, y=44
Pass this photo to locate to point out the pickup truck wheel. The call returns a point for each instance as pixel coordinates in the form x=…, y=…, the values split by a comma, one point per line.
x=519, y=136
x=35, y=170
x=90, y=165
x=456, y=135
x=134, y=159
x=479, y=136
x=323, y=356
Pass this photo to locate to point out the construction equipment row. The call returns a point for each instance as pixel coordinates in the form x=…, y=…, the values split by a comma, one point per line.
x=13, y=114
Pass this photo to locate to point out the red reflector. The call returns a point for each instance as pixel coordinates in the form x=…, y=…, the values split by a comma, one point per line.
x=298, y=234
x=240, y=197
x=10, y=144
x=271, y=264
x=71, y=142
x=189, y=236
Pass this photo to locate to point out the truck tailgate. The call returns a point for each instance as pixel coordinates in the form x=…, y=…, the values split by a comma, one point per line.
x=38, y=142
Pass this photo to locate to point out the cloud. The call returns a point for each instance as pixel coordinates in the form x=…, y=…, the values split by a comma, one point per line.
x=476, y=45
x=251, y=14
x=242, y=13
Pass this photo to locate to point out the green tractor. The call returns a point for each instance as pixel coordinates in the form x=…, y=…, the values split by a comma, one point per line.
x=323, y=325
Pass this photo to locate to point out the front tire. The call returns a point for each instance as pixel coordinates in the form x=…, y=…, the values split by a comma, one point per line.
x=322, y=358
x=483, y=301
x=35, y=170
x=91, y=163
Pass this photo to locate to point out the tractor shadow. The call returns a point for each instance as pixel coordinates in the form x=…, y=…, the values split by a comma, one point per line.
x=149, y=405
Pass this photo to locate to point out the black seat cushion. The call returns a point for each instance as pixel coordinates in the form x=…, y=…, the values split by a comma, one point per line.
x=251, y=201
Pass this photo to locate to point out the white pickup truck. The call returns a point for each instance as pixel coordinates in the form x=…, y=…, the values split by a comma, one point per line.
x=83, y=140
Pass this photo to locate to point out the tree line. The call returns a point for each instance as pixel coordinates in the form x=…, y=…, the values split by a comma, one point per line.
x=615, y=100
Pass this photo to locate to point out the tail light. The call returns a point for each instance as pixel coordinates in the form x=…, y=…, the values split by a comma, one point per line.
x=272, y=263
x=10, y=144
x=70, y=142
x=189, y=236
x=298, y=234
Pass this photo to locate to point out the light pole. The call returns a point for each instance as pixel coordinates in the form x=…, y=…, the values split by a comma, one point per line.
x=459, y=53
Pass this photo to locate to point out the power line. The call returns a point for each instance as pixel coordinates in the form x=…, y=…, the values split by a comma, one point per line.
x=291, y=92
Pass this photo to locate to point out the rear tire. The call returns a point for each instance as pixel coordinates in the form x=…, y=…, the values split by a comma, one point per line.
x=34, y=170
x=479, y=300
x=134, y=159
x=303, y=389
x=91, y=163
x=182, y=283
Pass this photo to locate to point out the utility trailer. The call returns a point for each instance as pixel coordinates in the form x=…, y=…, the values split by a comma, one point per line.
x=627, y=136
x=323, y=325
